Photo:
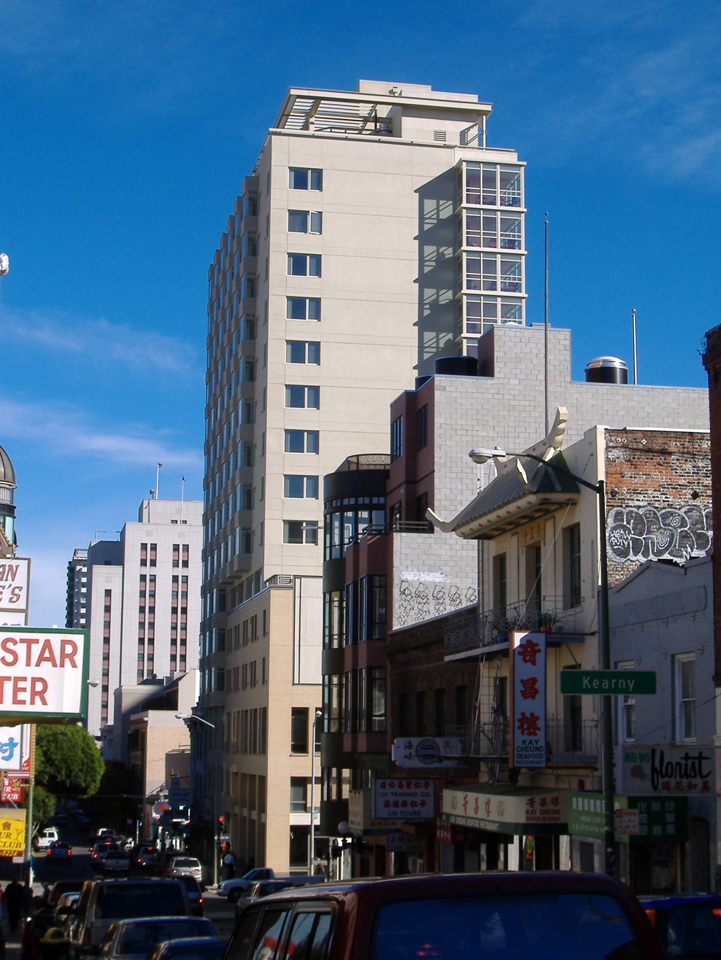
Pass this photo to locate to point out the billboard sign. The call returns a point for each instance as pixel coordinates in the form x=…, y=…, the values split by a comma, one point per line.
x=15, y=747
x=402, y=799
x=423, y=752
x=527, y=669
x=12, y=791
x=43, y=674
x=14, y=586
x=12, y=832
x=666, y=770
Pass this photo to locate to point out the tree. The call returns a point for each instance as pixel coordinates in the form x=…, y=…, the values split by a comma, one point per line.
x=43, y=805
x=67, y=760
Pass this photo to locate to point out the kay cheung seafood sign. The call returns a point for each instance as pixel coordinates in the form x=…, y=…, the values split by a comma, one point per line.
x=43, y=674
x=527, y=668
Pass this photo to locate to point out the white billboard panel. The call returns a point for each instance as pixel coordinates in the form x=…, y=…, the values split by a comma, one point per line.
x=43, y=673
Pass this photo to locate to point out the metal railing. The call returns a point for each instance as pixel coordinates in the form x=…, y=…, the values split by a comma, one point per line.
x=567, y=741
x=570, y=741
x=466, y=630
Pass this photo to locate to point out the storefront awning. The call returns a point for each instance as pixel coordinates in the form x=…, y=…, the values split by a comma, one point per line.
x=533, y=812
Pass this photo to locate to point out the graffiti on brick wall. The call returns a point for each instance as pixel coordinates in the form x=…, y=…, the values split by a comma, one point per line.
x=647, y=533
x=418, y=601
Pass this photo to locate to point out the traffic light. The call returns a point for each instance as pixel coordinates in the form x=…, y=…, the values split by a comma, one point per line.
x=221, y=824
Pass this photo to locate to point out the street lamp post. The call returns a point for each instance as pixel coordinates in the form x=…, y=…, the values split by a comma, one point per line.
x=482, y=456
x=187, y=718
x=311, y=849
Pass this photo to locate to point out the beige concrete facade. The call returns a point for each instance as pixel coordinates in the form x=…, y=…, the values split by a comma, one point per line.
x=348, y=266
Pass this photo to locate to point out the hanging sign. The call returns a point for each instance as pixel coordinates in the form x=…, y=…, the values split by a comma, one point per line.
x=527, y=670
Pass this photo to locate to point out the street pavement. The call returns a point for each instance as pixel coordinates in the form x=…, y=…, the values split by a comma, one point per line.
x=217, y=909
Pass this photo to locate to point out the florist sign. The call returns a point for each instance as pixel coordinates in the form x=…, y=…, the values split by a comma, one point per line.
x=667, y=770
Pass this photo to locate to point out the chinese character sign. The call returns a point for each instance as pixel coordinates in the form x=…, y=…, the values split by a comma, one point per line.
x=404, y=799
x=527, y=739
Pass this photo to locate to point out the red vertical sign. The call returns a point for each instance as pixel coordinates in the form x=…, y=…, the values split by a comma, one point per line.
x=527, y=670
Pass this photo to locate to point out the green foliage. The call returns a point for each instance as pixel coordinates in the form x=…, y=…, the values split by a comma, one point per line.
x=67, y=760
x=43, y=805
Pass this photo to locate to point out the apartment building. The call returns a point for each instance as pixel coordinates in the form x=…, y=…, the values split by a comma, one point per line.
x=77, y=590
x=403, y=596
x=143, y=604
x=376, y=232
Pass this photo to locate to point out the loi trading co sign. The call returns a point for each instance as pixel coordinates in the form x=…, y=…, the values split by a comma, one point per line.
x=527, y=671
x=43, y=674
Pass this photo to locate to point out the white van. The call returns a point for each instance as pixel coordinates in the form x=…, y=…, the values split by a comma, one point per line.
x=46, y=837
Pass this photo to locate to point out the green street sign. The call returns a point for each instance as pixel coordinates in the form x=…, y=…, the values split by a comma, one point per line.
x=618, y=683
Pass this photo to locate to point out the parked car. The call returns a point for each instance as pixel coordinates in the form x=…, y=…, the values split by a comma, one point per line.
x=61, y=887
x=197, y=948
x=115, y=861
x=258, y=889
x=100, y=852
x=59, y=852
x=195, y=894
x=46, y=837
x=104, y=901
x=689, y=925
x=144, y=856
x=180, y=866
x=503, y=916
x=232, y=889
x=134, y=939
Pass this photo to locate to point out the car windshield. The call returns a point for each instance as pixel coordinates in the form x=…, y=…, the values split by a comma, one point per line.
x=185, y=862
x=142, y=937
x=691, y=929
x=542, y=927
x=124, y=900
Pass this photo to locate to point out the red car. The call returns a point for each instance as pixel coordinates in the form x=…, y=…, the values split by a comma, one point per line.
x=501, y=916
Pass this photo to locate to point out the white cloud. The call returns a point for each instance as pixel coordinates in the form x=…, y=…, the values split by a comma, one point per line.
x=101, y=341
x=148, y=52
x=633, y=81
x=66, y=432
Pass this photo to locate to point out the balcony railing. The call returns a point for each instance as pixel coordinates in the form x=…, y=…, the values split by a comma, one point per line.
x=395, y=526
x=467, y=631
x=567, y=742
x=572, y=741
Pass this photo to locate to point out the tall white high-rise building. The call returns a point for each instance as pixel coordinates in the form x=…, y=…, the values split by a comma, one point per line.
x=376, y=233
x=142, y=602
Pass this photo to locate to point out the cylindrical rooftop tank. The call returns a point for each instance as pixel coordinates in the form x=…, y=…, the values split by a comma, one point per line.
x=606, y=370
x=456, y=366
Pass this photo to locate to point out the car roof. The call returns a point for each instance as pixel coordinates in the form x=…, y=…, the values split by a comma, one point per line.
x=164, y=919
x=667, y=901
x=427, y=886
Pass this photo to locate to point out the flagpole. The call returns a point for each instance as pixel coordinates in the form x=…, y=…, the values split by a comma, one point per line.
x=157, y=480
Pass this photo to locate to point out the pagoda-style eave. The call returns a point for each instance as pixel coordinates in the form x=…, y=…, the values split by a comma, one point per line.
x=511, y=516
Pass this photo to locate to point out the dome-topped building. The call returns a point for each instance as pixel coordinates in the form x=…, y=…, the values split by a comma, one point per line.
x=7, y=505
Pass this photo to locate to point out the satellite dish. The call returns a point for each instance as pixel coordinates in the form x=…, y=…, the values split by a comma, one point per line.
x=4, y=264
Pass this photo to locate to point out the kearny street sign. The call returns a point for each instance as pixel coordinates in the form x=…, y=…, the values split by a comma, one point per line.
x=608, y=682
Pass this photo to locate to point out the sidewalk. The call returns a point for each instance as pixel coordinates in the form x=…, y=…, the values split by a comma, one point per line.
x=12, y=940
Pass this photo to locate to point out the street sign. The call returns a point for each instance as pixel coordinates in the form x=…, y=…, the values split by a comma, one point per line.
x=617, y=683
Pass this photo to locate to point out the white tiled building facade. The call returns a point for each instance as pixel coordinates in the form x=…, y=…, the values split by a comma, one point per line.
x=376, y=232
x=143, y=608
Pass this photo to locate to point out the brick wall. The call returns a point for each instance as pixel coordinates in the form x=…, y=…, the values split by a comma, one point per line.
x=658, y=497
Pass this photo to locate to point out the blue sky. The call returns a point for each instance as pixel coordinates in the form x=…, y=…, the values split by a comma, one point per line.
x=126, y=129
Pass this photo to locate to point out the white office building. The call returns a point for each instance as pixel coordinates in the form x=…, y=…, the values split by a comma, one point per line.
x=376, y=232
x=143, y=603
